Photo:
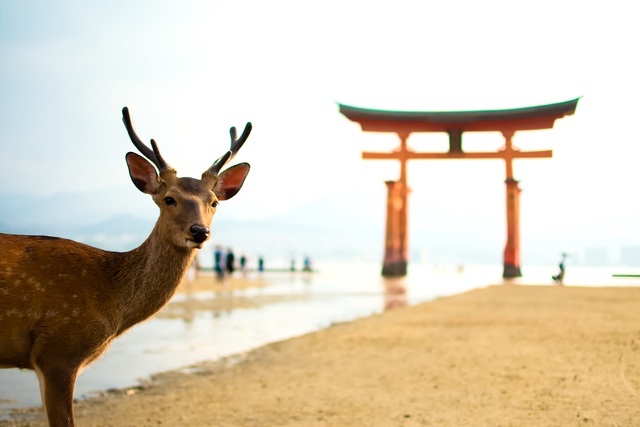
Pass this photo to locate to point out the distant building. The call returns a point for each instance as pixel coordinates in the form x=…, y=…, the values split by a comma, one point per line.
x=597, y=256
x=630, y=255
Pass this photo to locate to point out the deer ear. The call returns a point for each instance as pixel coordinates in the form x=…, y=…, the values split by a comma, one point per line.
x=230, y=181
x=143, y=174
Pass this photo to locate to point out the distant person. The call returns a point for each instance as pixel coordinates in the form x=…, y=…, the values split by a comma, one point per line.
x=260, y=264
x=218, y=266
x=230, y=262
x=558, y=278
x=293, y=264
x=307, y=264
x=243, y=264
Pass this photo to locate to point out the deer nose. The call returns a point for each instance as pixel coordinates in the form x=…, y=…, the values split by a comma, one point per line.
x=199, y=233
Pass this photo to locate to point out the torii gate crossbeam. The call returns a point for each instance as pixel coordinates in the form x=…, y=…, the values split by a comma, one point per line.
x=455, y=123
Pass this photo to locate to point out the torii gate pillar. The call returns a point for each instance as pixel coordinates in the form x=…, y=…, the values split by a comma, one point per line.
x=396, y=247
x=512, y=248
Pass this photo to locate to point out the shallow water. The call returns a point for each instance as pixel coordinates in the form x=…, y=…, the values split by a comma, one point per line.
x=292, y=305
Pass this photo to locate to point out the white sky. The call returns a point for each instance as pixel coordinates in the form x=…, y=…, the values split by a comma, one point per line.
x=188, y=70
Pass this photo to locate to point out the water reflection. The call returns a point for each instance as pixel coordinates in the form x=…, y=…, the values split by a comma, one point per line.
x=395, y=293
x=205, y=325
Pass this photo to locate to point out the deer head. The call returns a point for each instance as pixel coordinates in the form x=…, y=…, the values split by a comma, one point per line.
x=187, y=205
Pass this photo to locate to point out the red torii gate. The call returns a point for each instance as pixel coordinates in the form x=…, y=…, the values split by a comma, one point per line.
x=454, y=123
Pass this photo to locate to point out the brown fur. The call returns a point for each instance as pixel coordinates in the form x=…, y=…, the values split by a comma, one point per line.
x=63, y=302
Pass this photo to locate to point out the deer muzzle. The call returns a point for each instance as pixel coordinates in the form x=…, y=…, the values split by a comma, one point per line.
x=199, y=233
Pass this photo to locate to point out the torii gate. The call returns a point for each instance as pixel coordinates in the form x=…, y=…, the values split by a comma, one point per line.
x=403, y=123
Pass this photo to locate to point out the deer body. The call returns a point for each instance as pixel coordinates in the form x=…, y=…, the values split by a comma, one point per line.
x=63, y=302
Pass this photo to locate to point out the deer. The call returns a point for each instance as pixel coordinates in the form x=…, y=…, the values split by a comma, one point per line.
x=62, y=302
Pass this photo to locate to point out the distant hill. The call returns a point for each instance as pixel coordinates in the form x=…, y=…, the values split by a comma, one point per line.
x=348, y=226
x=72, y=209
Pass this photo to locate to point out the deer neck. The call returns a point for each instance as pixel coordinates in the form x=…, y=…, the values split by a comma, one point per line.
x=149, y=276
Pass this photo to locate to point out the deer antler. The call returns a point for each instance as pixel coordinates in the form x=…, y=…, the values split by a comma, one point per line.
x=153, y=155
x=236, y=144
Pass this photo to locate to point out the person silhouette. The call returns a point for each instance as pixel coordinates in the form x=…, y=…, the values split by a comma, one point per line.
x=230, y=262
x=218, y=260
x=558, y=278
x=307, y=264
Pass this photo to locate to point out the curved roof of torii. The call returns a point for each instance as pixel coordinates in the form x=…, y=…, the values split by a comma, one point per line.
x=527, y=118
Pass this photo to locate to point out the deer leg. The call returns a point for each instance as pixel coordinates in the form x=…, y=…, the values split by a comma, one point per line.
x=41, y=385
x=57, y=382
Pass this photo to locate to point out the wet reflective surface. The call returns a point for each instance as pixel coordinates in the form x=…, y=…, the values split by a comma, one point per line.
x=207, y=325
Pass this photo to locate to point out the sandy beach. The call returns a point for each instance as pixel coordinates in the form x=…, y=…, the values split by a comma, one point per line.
x=504, y=355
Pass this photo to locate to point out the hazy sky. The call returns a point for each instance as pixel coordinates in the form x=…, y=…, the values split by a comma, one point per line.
x=188, y=70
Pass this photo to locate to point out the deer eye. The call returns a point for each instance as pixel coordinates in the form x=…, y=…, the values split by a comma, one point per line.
x=169, y=201
x=214, y=204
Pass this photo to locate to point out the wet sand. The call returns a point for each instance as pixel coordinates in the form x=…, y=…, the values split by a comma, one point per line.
x=505, y=355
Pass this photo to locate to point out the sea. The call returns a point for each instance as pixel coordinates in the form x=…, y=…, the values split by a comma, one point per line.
x=301, y=303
